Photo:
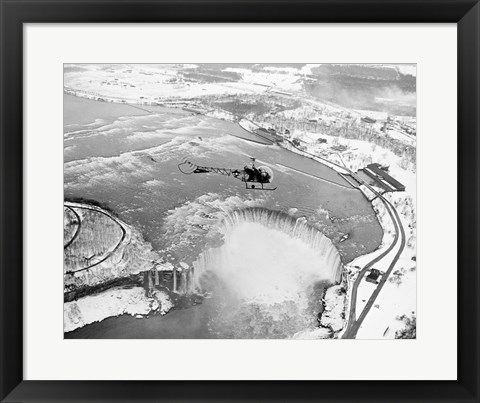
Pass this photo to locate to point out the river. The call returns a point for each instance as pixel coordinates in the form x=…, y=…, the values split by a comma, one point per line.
x=128, y=159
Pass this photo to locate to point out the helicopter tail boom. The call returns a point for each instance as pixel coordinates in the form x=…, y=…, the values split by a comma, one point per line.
x=254, y=178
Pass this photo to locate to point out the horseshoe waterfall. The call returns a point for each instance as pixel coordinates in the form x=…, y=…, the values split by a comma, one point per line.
x=268, y=256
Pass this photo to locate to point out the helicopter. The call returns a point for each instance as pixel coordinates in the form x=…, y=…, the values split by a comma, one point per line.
x=253, y=177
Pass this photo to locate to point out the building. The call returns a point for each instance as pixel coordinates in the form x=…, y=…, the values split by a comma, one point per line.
x=383, y=179
x=269, y=134
x=373, y=276
x=367, y=119
x=339, y=147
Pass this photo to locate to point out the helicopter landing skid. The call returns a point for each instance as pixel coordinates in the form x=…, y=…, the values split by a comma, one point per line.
x=253, y=187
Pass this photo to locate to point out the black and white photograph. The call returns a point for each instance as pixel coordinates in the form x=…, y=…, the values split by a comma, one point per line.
x=239, y=201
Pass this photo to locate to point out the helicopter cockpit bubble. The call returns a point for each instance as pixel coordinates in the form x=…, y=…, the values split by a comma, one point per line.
x=266, y=174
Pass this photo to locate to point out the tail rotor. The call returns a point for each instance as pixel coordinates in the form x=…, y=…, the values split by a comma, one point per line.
x=186, y=167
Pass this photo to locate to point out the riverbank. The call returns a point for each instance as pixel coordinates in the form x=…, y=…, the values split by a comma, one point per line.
x=114, y=302
x=398, y=297
x=150, y=181
x=110, y=281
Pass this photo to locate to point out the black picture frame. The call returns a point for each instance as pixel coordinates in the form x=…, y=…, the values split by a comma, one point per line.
x=14, y=13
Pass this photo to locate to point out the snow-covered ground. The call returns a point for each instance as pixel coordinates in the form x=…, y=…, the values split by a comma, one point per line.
x=285, y=79
x=248, y=125
x=398, y=296
x=132, y=256
x=333, y=315
x=148, y=83
x=113, y=302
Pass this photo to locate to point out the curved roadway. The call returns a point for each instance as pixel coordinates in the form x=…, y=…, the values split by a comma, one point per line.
x=124, y=233
x=77, y=230
x=353, y=323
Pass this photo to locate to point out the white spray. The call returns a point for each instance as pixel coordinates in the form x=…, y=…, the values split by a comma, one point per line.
x=270, y=257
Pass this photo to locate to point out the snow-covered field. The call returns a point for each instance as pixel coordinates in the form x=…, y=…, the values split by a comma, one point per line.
x=146, y=83
x=286, y=79
x=113, y=302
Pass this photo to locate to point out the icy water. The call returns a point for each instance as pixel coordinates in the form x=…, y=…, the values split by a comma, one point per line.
x=129, y=161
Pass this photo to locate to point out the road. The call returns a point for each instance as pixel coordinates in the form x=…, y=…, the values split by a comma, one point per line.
x=124, y=233
x=353, y=328
x=358, y=280
x=77, y=230
x=354, y=323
